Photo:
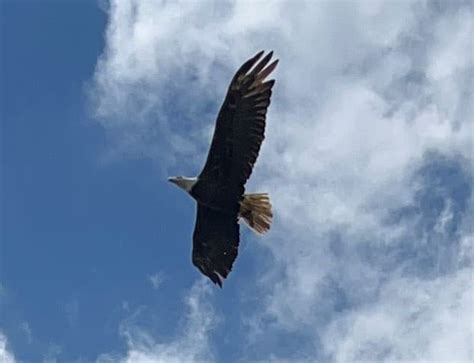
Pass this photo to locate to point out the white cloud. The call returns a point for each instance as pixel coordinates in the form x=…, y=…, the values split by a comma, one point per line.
x=6, y=356
x=25, y=327
x=366, y=93
x=156, y=280
x=412, y=320
x=190, y=345
x=52, y=354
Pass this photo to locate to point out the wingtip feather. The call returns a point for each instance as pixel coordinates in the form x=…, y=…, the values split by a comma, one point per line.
x=258, y=55
x=261, y=64
x=269, y=69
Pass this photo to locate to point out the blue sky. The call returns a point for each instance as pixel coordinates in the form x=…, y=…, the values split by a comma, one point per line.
x=368, y=160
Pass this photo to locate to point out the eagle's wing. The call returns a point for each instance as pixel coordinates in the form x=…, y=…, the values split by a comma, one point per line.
x=215, y=243
x=240, y=126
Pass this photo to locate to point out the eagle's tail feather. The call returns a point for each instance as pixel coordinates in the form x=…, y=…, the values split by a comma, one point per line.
x=256, y=211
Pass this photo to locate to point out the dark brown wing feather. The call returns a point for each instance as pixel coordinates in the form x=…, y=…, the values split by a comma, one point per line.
x=215, y=243
x=240, y=127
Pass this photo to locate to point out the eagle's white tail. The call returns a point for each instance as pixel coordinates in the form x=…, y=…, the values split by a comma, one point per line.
x=256, y=211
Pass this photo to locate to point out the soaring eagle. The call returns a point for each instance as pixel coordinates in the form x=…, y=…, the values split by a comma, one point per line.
x=219, y=190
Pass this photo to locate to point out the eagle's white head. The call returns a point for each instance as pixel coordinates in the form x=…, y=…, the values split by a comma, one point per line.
x=183, y=182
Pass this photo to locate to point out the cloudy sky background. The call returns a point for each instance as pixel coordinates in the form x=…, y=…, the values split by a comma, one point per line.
x=368, y=161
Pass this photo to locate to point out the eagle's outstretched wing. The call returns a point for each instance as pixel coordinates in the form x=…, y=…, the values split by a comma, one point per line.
x=240, y=127
x=215, y=243
x=238, y=135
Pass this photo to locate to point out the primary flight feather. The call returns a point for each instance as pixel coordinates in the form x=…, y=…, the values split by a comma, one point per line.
x=219, y=190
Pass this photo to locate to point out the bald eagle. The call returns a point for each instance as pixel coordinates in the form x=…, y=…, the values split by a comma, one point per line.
x=219, y=190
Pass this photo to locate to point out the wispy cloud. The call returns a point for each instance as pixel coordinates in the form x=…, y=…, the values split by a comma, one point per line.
x=71, y=308
x=411, y=320
x=6, y=356
x=156, y=280
x=53, y=353
x=25, y=328
x=368, y=158
x=190, y=345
